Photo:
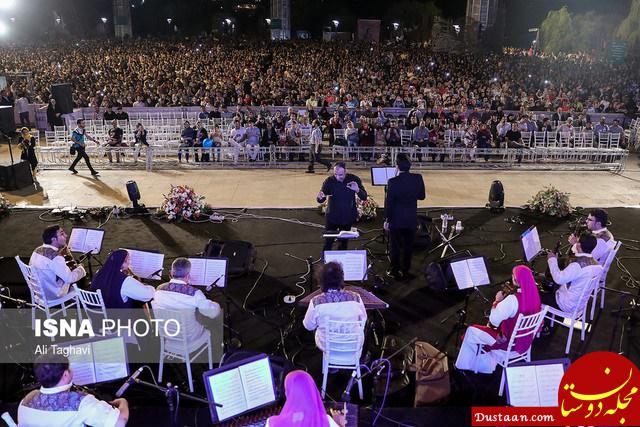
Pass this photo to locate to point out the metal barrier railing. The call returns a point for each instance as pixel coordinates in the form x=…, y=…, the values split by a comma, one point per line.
x=163, y=157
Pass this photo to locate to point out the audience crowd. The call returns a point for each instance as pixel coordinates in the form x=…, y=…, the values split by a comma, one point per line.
x=150, y=72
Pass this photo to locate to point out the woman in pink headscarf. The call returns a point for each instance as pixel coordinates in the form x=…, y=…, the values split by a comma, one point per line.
x=304, y=407
x=502, y=320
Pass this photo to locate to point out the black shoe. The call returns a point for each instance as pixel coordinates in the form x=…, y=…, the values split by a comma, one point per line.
x=94, y=173
x=73, y=171
x=396, y=275
x=329, y=166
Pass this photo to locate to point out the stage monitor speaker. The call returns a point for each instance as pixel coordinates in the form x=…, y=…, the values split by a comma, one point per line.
x=496, y=197
x=16, y=176
x=7, y=120
x=241, y=255
x=438, y=274
x=62, y=94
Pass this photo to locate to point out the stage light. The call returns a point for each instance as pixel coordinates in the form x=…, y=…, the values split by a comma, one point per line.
x=104, y=20
x=268, y=20
x=396, y=26
x=496, y=197
x=169, y=21
x=134, y=196
x=529, y=75
x=335, y=23
x=228, y=21
x=58, y=20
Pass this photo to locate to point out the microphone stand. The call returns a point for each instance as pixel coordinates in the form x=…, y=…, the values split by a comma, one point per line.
x=173, y=395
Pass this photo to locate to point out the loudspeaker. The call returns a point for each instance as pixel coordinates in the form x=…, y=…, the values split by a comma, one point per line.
x=7, y=119
x=16, y=176
x=241, y=255
x=62, y=94
x=438, y=274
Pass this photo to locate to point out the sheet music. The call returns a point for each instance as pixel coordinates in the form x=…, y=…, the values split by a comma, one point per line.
x=258, y=383
x=523, y=386
x=549, y=378
x=531, y=243
x=354, y=263
x=462, y=274
x=478, y=271
x=86, y=239
x=93, y=241
x=381, y=175
x=226, y=388
x=81, y=362
x=109, y=359
x=205, y=271
x=144, y=264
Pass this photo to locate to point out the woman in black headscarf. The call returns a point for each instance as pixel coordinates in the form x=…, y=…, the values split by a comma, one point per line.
x=119, y=288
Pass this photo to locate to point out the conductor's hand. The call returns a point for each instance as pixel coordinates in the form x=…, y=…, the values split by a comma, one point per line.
x=353, y=186
x=321, y=195
x=386, y=226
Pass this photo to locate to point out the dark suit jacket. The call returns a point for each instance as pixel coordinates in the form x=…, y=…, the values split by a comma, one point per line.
x=401, y=204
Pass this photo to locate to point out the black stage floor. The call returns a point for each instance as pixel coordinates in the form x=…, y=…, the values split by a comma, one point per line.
x=267, y=324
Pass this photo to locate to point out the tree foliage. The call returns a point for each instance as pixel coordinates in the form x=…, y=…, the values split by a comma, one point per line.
x=562, y=31
x=629, y=28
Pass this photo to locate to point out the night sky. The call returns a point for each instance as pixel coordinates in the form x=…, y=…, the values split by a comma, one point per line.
x=83, y=15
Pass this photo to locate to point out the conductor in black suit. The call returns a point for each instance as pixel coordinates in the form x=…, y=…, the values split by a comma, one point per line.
x=342, y=212
x=401, y=216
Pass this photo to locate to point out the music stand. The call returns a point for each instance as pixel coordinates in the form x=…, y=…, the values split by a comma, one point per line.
x=87, y=241
x=446, y=240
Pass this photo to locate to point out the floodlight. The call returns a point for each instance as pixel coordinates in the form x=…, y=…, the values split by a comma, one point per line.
x=104, y=20
x=268, y=21
x=169, y=21
x=336, y=23
x=228, y=21
x=58, y=20
x=396, y=26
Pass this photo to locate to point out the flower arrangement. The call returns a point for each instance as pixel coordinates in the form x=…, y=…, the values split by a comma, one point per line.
x=182, y=202
x=550, y=201
x=4, y=206
x=367, y=209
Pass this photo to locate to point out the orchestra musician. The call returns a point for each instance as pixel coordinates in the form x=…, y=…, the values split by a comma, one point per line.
x=49, y=263
x=118, y=285
x=334, y=303
x=304, y=407
x=597, y=224
x=502, y=320
x=57, y=403
x=178, y=294
x=569, y=282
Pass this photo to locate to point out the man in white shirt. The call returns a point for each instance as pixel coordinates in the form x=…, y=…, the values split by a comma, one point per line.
x=597, y=224
x=178, y=294
x=57, y=404
x=22, y=105
x=573, y=279
x=334, y=303
x=49, y=264
x=315, y=148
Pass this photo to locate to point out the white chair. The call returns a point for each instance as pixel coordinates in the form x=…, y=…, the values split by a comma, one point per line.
x=343, y=347
x=526, y=326
x=174, y=344
x=39, y=298
x=9, y=420
x=614, y=141
x=579, y=314
x=599, y=288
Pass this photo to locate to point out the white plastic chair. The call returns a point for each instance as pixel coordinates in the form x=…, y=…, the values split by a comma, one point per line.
x=525, y=326
x=599, y=288
x=9, y=420
x=39, y=298
x=343, y=347
x=579, y=314
x=174, y=344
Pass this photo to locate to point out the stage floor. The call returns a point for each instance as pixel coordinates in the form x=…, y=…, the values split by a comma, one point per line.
x=267, y=324
x=286, y=188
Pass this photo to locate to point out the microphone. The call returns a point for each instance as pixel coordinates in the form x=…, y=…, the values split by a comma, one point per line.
x=129, y=381
x=346, y=395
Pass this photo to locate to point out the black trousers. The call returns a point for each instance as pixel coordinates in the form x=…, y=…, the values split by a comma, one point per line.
x=401, y=250
x=82, y=154
x=315, y=157
x=342, y=243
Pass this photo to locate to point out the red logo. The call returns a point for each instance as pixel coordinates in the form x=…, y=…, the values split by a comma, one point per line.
x=600, y=388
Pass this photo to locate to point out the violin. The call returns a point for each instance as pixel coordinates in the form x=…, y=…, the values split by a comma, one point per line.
x=68, y=258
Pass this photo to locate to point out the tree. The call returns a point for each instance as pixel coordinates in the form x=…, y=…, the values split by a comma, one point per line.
x=629, y=28
x=557, y=31
x=592, y=29
x=415, y=17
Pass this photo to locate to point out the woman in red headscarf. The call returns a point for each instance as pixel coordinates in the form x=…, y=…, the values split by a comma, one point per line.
x=304, y=407
x=502, y=321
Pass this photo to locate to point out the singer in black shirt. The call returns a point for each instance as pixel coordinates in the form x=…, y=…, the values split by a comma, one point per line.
x=342, y=212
